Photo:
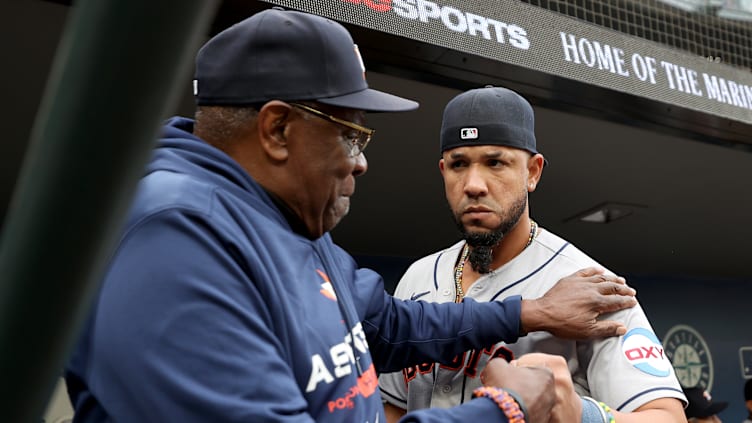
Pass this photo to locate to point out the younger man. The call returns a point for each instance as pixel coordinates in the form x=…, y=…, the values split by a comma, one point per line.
x=489, y=164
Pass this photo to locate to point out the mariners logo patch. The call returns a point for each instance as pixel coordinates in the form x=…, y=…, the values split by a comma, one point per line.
x=643, y=350
x=690, y=355
x=469, y=133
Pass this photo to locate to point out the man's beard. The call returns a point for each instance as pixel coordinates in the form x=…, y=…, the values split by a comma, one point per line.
x=483, y=243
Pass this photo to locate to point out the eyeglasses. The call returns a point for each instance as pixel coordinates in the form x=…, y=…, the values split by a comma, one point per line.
x=356, y=143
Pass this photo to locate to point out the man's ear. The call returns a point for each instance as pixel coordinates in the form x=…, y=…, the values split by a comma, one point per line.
x=273, y=128
x=534, y=171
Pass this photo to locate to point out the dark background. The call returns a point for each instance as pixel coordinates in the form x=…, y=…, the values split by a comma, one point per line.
x=685, y=247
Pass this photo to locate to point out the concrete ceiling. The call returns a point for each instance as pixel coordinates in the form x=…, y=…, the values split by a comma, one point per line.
x=691, y=198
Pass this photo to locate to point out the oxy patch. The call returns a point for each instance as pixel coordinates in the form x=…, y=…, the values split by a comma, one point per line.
x=643, y=350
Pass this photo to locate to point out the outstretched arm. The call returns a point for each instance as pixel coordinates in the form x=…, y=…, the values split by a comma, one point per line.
x=404, y=333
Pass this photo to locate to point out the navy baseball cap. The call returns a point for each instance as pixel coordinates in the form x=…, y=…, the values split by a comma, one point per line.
x=701, y=404
x=287, y=55
x=488, y=116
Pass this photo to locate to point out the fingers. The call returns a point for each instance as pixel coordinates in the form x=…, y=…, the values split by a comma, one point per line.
x=612, y=303
x=597, y=275
x=589, y=271
x=538, y=359
x=554, y=363
x=606, y=328
x=608, y=278
x=615, y=294
x=495, y=365
x=497, y=362
x=570, y=308
x=612, y=288
x=548, y=373
x=615, y=279
x=535, y=386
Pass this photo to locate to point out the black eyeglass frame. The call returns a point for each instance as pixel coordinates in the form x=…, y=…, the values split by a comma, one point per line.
x=357, y=144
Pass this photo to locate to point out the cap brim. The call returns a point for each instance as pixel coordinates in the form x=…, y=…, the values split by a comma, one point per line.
x=371, y=100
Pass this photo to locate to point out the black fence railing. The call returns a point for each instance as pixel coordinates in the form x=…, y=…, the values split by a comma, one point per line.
x=719, y=30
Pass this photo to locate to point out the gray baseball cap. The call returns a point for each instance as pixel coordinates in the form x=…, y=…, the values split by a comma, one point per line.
x=287, y=55
x=488, y=116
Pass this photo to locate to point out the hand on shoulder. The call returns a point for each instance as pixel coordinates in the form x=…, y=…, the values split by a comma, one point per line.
x=570, y=309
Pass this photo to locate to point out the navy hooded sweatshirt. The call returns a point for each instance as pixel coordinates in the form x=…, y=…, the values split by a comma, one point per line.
x=214, y=310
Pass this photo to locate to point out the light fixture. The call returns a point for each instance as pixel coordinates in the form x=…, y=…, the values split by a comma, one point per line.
x=606, y=212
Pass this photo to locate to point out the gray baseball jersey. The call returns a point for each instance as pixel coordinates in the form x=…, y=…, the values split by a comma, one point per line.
x=624, y=372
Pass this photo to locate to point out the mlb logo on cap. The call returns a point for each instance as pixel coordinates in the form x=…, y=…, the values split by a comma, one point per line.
x=469, y=133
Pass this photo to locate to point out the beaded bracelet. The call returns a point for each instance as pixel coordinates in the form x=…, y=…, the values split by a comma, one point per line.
x=518, y=399
x=607, y=410
x=506, y=402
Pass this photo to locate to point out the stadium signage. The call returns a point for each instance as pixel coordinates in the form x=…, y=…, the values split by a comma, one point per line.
x=648, y=69
x=454, y=19
x=517, y=33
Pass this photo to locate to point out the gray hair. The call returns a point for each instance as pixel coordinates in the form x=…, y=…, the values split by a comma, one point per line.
x=221, y=125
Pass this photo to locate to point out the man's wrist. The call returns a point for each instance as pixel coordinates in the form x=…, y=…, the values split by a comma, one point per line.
x=529, y=317
x=591, y=412
x=518, y=399
x=595, y=412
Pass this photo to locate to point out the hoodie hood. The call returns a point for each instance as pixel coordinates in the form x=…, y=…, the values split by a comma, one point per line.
x=178, y=150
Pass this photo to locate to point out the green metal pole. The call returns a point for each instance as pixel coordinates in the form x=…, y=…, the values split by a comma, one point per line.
x=115, y=77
